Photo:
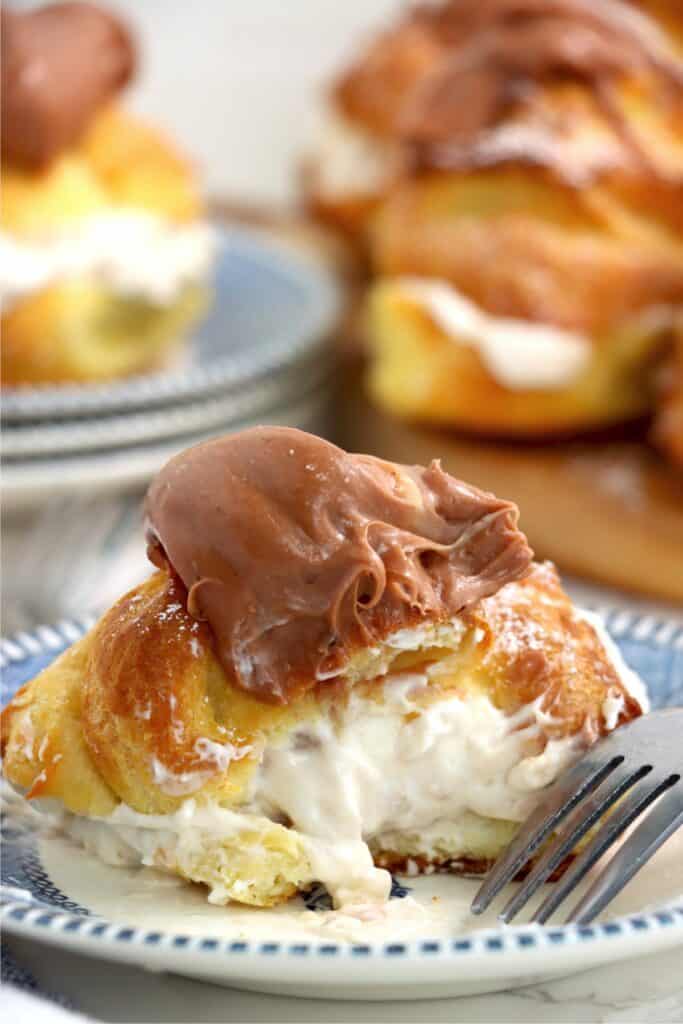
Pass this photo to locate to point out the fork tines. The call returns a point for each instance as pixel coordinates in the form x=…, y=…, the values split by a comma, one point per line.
x=635, y=766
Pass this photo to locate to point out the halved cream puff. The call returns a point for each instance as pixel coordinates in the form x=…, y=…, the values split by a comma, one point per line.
x=341, y=665
x=104, y=253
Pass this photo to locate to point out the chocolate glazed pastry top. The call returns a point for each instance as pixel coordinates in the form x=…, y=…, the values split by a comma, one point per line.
x=297, y=553
x=374, y=89
x=60, y=64
x=500, y=51
x=446, y=80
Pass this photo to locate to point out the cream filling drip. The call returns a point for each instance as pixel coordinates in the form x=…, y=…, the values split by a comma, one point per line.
x=381, y=770
x=520, y=355
x=397, y=766
x=215, y=757
x=131, y=252
x=387, y=766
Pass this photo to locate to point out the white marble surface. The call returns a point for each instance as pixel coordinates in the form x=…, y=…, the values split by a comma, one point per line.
x=649, y=989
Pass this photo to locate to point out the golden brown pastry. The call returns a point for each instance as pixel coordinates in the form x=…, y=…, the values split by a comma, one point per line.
x=341, y=663
x=516, y=167
x=668, y=426
x=103, y=251
x=532, y=253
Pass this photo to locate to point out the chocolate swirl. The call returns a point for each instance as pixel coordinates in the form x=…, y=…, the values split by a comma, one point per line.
x=297, y=553
x=60, y=64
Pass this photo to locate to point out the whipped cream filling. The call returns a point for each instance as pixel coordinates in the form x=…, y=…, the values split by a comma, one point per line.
x=398, y=766
x=388, y=765
x=520, y=355
x=381, y=771
x=131, y=252
x=348, y=161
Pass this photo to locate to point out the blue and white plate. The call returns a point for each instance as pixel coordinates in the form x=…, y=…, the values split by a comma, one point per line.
x=98, y=470
x=272, y=310
x=255, y=403
x=54, y=892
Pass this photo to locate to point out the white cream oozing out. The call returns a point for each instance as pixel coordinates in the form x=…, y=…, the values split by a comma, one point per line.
x=519, y=354
x=383, y=768
x=399, y=767
x=132, y=252
x=348, y=162
x=379, y=770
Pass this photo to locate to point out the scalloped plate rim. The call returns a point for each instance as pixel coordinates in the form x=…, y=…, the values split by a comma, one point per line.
x=514, y=955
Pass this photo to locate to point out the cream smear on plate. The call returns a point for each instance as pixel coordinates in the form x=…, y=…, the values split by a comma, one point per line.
x=437, y=906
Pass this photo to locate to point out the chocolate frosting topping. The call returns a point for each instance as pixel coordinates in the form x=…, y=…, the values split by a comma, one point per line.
x=460, y=84
x=502, y=50
x=375, y=88
x=60, y=64
x=297, y=553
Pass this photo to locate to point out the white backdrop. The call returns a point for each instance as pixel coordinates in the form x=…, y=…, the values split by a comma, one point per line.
x=236, y=80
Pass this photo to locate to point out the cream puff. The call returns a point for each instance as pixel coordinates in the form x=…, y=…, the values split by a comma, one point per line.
x=532, y=251
x=104, y=253
x=341, y=665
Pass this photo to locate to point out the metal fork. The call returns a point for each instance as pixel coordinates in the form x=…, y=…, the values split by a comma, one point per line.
x=636, y=767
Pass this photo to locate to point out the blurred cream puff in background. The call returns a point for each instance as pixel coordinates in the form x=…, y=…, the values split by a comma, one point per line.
x=512, y=171
x=104, y=250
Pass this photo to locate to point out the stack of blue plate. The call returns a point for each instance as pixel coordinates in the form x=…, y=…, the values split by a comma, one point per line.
x=261, y=355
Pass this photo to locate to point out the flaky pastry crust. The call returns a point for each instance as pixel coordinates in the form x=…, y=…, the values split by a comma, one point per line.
x=144, y=686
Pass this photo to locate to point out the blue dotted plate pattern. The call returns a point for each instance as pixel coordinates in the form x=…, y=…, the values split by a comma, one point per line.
x=652, y=646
